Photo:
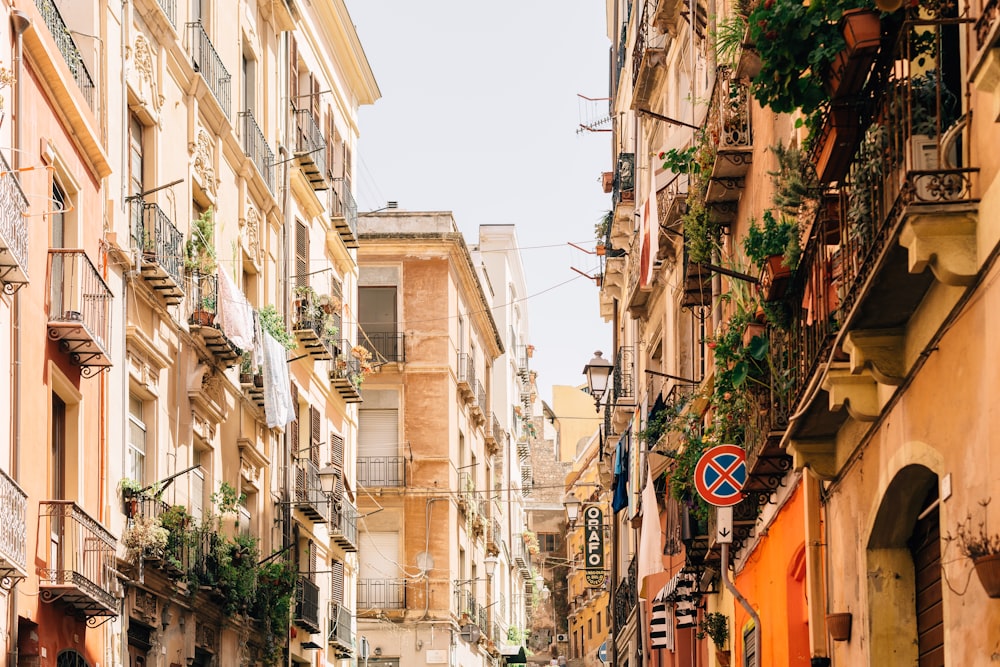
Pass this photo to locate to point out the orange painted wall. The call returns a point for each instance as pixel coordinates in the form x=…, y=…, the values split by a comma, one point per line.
x=773, y=580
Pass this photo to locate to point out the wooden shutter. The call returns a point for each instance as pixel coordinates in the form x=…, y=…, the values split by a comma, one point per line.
x=925, y=548
x=293, y=428
x=312, y=561
x=315, y=429
x=330, y=153
x=337, y=582
x=348, y=176
x=301, y=254
x=293, y=69
x=336, y=450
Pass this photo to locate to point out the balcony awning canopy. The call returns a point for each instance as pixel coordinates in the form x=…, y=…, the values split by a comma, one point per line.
x=512, y=654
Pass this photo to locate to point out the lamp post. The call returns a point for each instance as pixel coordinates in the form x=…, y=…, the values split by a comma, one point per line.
x=598, y=371
x=572, y=505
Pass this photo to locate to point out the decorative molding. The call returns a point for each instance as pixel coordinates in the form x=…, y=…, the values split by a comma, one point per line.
x=208, y=401
x=143, y=59
x=945, y=241
x=820, y=456
x=206, y=637
x=204, y=162
x=857, y=393
x=250, y=233
x=145, y=607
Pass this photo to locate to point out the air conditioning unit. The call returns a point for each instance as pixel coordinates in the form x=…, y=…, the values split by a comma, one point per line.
x=562, y=638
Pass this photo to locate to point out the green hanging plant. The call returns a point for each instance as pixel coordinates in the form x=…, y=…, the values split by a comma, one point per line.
x=273, y=323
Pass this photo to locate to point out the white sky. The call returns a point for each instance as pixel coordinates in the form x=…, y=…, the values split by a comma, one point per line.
x=478, y=116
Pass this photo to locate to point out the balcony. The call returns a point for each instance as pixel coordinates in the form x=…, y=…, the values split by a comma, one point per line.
x=81, y=561
x=478, y=409
x=767, y=462
x=623, y=193
x=309, y=496
x=376, y=472
x=252, y=380
x=522, y=558
x=256, y=148
x=523, y=363
x=206, y=61
x=466, y=492
x=381, y=594
x=623, y=374
x=386, y=347
x=626, y=596
x=202, y=291
x=649, y=59
x=344, y=213
x=310, y=149
x=79, y=310
x=169, y=8
x=63, y=37
x=523, y=448
x=340, y=638
x=13, y=231
x=668, y=15
x=467, y=376
x=729, y=120
x=907, y=204
x=345, y=375
x=465, y=604
x=160, y=246
x=176, y=558
x=313, y=329
x=13, y=531
x=344, y=525
x=494, y=536
x=307, y=605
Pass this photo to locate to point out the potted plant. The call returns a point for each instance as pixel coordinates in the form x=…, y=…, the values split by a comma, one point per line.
x=715, y=626
x=144, y=537
x=981, y=547
x=199, y=250
x=273, y=323
x=774, y=248
x=838, y=625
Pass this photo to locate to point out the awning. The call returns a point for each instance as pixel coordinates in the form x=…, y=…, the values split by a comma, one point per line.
x=513, y=654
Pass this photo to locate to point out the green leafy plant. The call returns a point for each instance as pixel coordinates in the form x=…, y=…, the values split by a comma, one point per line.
x=715, y=626
x=795, y=182
x=144, y=536
x=680, y=161
x=728, y=35
x=273, y=323
x=129, y=487
x=199, y=250
x=236, y=570
x=276, y=583
x=774, y=237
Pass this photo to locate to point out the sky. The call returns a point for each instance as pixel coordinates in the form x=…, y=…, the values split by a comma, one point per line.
x=479, y=116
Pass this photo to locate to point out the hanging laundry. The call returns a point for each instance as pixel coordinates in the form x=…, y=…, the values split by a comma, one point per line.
x=235, y=314
x=277, y=389
x=650, y=549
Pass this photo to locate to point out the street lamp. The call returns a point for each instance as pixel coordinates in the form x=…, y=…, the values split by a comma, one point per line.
x=572, y=505
x=598, y=371
x=489, y=563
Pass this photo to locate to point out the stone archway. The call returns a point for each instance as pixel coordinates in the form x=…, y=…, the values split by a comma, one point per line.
x=892, y=621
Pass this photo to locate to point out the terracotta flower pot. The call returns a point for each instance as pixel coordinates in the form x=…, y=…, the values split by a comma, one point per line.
x=752, y=330
x=836, y=142
x=774, y=278
x=988, y=569
x=839, y=626
x=607, y=181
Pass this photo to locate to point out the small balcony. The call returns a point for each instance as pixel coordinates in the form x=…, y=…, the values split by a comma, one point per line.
x=13, y=231
x=344, y=213
x=375, y=472
x=310, y=149
x=160, y=246
x=202, y=303
x=340, y=638
x=313, y=329
x=466, y=492
x=467, y=376
x=626, y=596
x=176, y=557
x=79, y=310
x=465, y=603
x=649, y=59
x=63, y=37
x=623, y=192
x=344, y=525
x=494, y=536
x=309, y=496
x=206, y=61
x=169, y=8
x=493, y=434
x=479, y=408
x=386, y=347
x=13, y=531
x=729, y=120
x=523, y=448
x=307, y=605
x=522, y=558
x=345, y=375
x=252, y=380
x=256, y=148
x=80, y=570
x=381, y=594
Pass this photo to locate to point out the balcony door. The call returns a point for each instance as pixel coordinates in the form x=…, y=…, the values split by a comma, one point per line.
x=379, y=576
x=57, y=480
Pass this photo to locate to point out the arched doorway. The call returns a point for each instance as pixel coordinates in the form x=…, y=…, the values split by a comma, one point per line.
x=70, y=658
x=904, y=573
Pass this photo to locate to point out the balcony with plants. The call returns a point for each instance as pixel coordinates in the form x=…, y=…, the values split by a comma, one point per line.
x=160, y=250
x=349, y=370
x=310, y=148
x=252, y=380
x=13, y=230
x=79, y=310
x=386, y=347
x=343, y=212
x=316, y=323
x=202, y=303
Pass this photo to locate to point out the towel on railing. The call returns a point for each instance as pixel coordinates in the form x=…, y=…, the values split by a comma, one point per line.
x=277, y=392
x=235, y=313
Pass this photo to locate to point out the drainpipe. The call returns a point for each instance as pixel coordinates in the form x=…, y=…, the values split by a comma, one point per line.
x=731, y=587
x=19, y=23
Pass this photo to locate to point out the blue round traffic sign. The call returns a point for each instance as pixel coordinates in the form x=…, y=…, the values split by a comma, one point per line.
x=720, y=474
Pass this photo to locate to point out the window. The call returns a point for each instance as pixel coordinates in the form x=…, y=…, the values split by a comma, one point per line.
x=749, y=647
x=598, y=622
x=248, y=67
x=549, y=542
x=198, y=486
x=590, y=628
x=301, y=254
x=135, y=156
x=135, y=463
x=70, y=658
x=245, y=516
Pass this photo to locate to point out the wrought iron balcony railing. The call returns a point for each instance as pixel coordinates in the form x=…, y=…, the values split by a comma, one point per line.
x=382, y=471
x=381, y=594
x=207, y=62
x=341, y=636
x=465, y=602
x=81, y=560
x=481, y=403
x=169, y=8
x=160, y=245
x=344, y=524
x=178, y=555
x=307, y=605
x=466, y=373
x=467, y=492
x=13, y=530
x=79, y=310
x=345, y=374
x=202, y=305
x=309, y=496
x=256, y=148
x=13, y=230
x=626, y=595
x=624, y=373
x=385, y=346
x=344, y=213
x=310, y=149
x=63, y=37
x=624, y=185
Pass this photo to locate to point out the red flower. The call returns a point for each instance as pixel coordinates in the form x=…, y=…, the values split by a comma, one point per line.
x=711, y=344
x=768, y=4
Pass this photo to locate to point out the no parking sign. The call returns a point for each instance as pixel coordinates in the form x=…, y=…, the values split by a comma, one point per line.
x=720, y=475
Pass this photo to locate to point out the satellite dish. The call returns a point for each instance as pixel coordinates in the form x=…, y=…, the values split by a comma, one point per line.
x=425, y=561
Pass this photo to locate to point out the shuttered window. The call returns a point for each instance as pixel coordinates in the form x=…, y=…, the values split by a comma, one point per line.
x=749, y=648
x=315, y=426
x=293, y=428
x=378, y=553
x=337, y=582
x=336, y=450
x=312, y=560
x=301, y=254
x=378, y=432
x=293, y=69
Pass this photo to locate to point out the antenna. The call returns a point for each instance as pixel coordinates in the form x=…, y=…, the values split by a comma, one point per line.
x=595, y=113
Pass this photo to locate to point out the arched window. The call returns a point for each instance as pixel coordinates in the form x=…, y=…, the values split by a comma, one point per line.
x=71, y=658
